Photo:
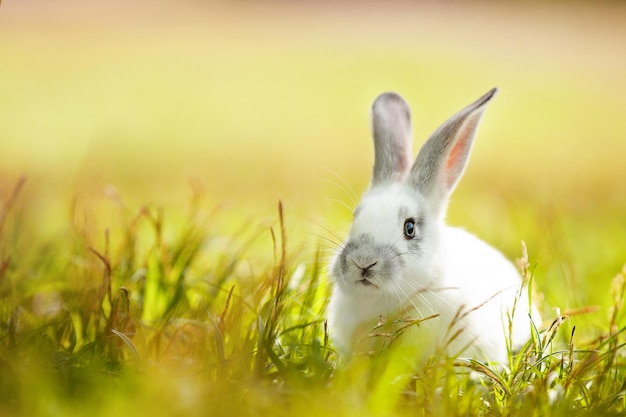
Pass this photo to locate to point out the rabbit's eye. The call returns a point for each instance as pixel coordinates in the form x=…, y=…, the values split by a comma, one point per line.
x=409, y=228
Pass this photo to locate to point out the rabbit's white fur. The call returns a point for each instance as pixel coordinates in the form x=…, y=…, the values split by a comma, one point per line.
x=440, y=270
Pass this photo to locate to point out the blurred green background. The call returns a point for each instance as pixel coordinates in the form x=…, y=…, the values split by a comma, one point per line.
x=255, y=102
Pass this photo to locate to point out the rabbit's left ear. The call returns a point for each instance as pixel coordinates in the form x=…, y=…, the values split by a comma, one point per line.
x=442, y=159
x=391, y=130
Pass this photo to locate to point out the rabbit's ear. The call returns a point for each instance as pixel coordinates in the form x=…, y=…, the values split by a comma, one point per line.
x=391, y=130
x=442, y=159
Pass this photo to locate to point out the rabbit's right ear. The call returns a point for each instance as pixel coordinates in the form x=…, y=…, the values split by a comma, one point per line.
x=442, y=159
x=391, y=130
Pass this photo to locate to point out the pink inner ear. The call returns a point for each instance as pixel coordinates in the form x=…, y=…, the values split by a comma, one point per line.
x=458, y=154
x=404, y=166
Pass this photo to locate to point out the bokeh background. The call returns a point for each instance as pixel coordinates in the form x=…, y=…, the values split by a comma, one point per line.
x=255, y=102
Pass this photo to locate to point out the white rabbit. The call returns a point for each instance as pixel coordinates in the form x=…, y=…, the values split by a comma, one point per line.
x=401, y=260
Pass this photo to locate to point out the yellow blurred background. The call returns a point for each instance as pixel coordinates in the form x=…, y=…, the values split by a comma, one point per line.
x=261, y=101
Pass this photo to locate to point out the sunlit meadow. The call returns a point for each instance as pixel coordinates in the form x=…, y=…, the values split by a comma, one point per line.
x=175, y=176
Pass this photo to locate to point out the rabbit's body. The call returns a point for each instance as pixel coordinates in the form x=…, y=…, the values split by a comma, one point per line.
x=401, y=260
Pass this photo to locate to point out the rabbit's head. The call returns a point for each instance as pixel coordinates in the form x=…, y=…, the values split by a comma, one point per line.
x=392, y=248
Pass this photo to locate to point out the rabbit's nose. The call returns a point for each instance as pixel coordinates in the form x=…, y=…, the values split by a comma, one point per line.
x=365, y=266
x=368, y=266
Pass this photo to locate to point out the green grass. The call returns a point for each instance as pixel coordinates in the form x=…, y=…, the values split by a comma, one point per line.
x=180, y=325
x=146, y=269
